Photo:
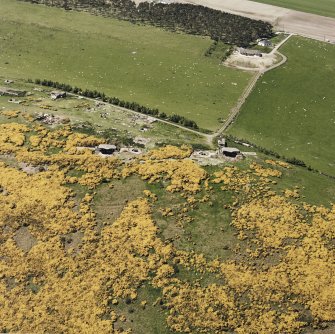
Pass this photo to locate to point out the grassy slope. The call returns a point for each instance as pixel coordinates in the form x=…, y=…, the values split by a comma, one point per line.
x=122, y=122
x=292, y=108
x=319, y=7
x=168, y=70
x=210, y=233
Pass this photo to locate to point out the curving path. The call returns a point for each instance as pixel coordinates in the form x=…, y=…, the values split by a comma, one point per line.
x=140, y=114
x=233, y=113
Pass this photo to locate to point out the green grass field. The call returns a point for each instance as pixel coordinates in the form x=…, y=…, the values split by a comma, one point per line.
x=136, y=63
x=319, y=7
x=292, y=108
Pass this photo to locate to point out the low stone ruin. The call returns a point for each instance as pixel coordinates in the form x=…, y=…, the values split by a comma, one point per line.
x=141, y=141
x=50, y=119
x=55, y=95
x=5, y=91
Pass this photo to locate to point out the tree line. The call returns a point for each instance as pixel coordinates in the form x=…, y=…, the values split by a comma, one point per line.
x=94, y=94
x=192, y=19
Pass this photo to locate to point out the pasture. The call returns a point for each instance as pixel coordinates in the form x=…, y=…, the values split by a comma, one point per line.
x=144, y=64
x=292, y=108
x=320, y=7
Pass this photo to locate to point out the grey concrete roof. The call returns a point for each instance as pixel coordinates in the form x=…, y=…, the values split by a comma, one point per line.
x=107, y=147
x=230, y=149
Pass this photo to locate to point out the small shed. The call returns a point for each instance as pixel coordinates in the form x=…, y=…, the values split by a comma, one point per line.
x=57, y=95
x=231, y=152
x=265, y=42
x=106, y=149
x=249, y=52
x=222, y=142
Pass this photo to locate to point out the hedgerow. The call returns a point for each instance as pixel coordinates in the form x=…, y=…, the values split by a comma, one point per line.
x=94, y=94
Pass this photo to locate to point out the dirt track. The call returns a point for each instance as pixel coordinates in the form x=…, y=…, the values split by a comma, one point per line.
x=309, y=25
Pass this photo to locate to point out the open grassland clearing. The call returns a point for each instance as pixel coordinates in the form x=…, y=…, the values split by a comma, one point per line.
x=147, y=65
x=187, y=249
x=94, y=116
x=320, y=7
x=292, y=108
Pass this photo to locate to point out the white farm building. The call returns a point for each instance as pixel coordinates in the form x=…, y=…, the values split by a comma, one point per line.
x=265, y=42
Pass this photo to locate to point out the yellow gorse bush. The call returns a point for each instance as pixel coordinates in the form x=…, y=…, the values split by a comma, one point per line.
x=285, y=266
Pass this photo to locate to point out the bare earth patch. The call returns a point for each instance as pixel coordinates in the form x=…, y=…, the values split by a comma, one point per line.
x=24, y=239
x=254, y=63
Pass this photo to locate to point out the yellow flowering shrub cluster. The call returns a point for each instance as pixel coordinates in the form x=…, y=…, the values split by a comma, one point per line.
x=12, y=136
x=234, y=179
x=196, y=309
x=273, y=219
x=81, y=140
x=72, y=291
x=278, y=163
x=283, y=272
x=44, y=138
x=29, y=198
x=183, y=174
x=169, y=152
x=291, y=193
x=10, y=113
x=265, y=172
x=69, y=155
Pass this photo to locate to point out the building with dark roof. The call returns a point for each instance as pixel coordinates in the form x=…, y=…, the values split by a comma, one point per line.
x=249, y=52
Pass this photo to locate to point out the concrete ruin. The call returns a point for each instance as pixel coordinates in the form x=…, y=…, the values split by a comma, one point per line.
x=5, y=91
x=230, y=152
x=204, y=154
x=106, y=149
x=51, y=119
x=249, y=52
x=15, y=101
x=132, y=150
x=222, y=142
x=141, y=141
x=54, y=95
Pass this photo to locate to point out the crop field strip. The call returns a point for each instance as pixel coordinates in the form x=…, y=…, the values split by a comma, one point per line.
x=159, y=69
x=319, y=7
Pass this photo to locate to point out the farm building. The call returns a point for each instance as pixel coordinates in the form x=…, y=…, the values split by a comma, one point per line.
x=249, y=52
x=265, y=42
x=230, y=152
x=106, y=149
x=57, y=95
x=4, y=91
